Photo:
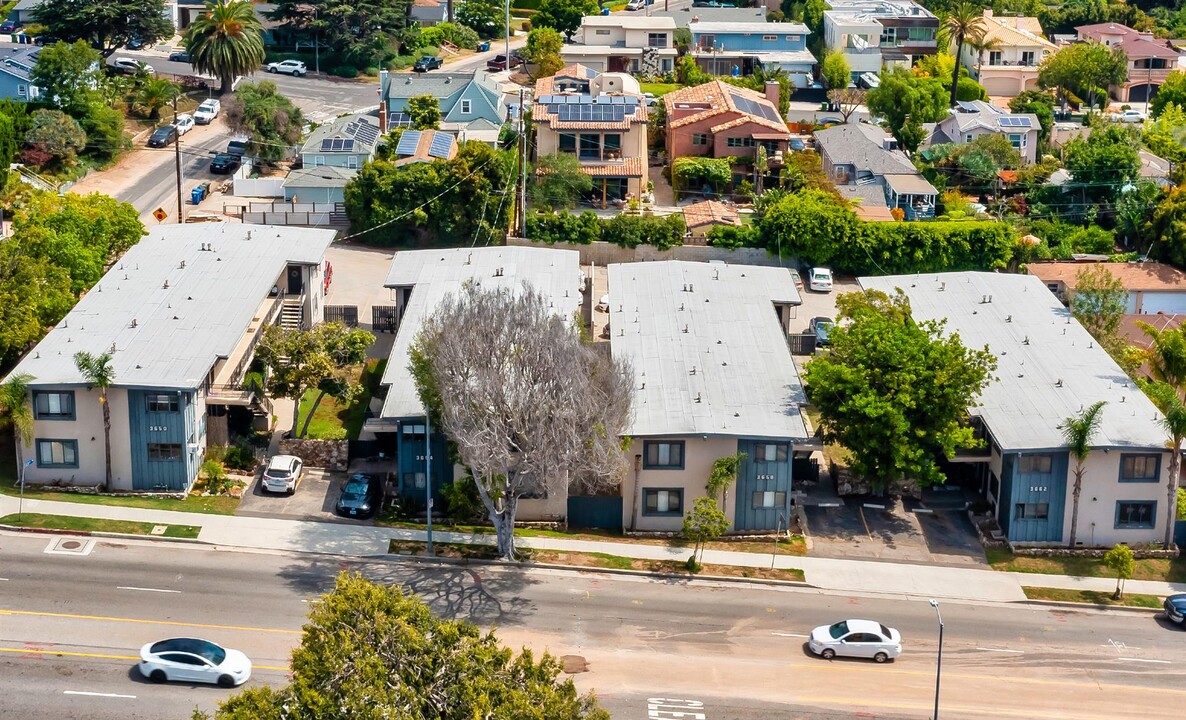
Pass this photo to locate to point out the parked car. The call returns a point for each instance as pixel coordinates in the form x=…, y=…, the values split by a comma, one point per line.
x=820, y=327
x=238, y=147
x=797, y=279
x=130, y=66
x=856, y=638
x=162, y=136
x=184, y=123
x=179, y=56
x=207, y=111
x=9, y=26
x=427, y=63
x=829, y=121
x=499, y=62
x=819, y=279
x=798, y=145
x=1175, y=609
x=636, y=5
x=1129, y=116
x=650, y=99
x=46, y=39
x=194, y=660
x=360, y=496
x=296, y=68
x=283, y=474
x=225, y=164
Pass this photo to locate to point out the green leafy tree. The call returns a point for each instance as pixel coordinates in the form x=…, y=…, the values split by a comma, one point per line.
x=8, y=147
x=687, y=72
x=1166, y=136
x=705, y=523
x=1120, y=560
x=543, y=50
x=1133, y=210
x=722, y=477
x=1038, y=103
x=1172, y=90
x=226, y=41
x=832, y=224
x=964, y=22
x=34, y=294
x=302, y=360
x=630, y=231
x=104, y=127
x=559, y=182
x=903, y=95
x=405, y=662
x=1168, y=225
x=563, y=16
x=564, y=227
x=835, y=71
x=98, y=371
x=355, y=33
x=1087, y=69
x=56, y=135
x=17, y=412
x=1099, y=304
x=155, y=93
x=895, y=392
x=1077, y=432
x=485, y=17
x=1103, y=163
x=425, y=112
x=259, y=111
x=1166, y=355
x=694, y=173
x=68, y=76
x=106, y=25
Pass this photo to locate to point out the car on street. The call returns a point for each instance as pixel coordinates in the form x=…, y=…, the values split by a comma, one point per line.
x=238, y=146
x=194, y=660
x=282, y=474
x=225, y=163
x=296, y=68
x=1175, y=609
x=184, y=123
x=797, y=279
x=179, y=56
x=1129, y=116
x=856, y=638
x=650, y=99
x=819, y=279
x=820, y=327
x=46, y=39
x=207, y=111
x=162, y=136
x=427, y=63
x=360, y=496
x=130, y=66
x=9, y=26
x=636, y=5
x=499, y=61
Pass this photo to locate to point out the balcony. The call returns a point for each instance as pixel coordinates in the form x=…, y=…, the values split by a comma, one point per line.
x=229, y=373
x=609, y=157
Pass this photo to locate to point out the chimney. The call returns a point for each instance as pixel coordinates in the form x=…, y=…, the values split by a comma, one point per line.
x=988, y=12
x=772, y=91
x=383, y=116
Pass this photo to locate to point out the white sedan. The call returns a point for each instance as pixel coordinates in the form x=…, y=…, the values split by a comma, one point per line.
x=296, y=68
x=819, y=279
x=184, y=123
x=856, y=638
x=194, y=660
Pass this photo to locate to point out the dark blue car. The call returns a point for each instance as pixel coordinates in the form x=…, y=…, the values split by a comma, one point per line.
x=360, y=497
x=1175, y=608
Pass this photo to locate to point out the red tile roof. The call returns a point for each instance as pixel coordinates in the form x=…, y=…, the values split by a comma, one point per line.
x=710, y=212
x=1150, y=276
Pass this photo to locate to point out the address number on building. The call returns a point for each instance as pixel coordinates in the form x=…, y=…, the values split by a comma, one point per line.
x=765, y=477
x=1037, y=488
x=421, y=457
x=158, y=428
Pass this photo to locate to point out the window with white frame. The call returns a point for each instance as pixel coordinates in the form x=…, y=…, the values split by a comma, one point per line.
x=663, y=501
x=466, y=106
x=1017, y=140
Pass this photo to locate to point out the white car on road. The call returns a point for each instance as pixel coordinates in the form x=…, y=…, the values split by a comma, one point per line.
x=207, y=111
x=819, y=279
x=856, y=638
x=194, y=660
x=296, y=68
x=184, y=123
x=1129, y=116
x=130, y=66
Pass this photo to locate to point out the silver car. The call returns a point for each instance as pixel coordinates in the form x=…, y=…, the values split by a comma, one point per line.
x=856, y=638
x=283, y=474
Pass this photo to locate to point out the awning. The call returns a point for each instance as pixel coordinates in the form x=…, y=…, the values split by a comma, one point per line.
x=772, y=136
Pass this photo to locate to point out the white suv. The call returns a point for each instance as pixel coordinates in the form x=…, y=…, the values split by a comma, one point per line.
x=207, y=111
x=296, y=68
x=283, y=474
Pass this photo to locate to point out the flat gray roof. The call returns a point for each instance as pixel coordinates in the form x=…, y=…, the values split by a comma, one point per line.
x=1037, y=344
x=709, y=331
x=433, y=274
x=182, y=329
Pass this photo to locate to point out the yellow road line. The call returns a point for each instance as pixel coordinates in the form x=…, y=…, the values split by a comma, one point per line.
x=104, y=656
x=174, y=623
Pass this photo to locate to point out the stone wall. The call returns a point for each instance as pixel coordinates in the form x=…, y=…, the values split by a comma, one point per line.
x=602, y=253
x=848, y=483
x=1138, y=551
x=329, y=454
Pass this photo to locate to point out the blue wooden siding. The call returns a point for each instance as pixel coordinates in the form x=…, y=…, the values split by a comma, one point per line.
x=1031, y=489
x=754, y=41
x=145, y=428
x=754, y=476
x=411, y=458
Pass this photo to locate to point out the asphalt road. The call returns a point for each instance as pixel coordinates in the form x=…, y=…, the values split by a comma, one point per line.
x=156, y=181
x=70, y=627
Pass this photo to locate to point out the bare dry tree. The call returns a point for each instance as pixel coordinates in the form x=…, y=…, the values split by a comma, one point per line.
x=530, y=407
x=847, y=100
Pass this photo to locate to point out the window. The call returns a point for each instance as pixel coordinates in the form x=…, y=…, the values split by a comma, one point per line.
x=739, y=142
x=1135, y=514
x=657, y=40
x=1027, y=58
x=590, y=146
x=602, y=32
x=996, y=58
x=161, y=403
x=699, y=139
x=414, y=480
x=57, y=453
x=1140, y=468
x=769, y=38
x=53, y=405
x=612, y=142
x=1031, y=464
x=22, y=90
x=664, y=455
x=968, y=138
x=770, y=452
x=1032, y=511
x=413, y=429
x=466, y=106
x=663, y=502
x=1017, y=140
x=568, y=143
x=164, y=452
x=318, y=160
x=794, y=38
x=352, y=161
x=770, y=499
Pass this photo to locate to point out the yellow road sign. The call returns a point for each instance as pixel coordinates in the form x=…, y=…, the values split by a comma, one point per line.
x=160, y=214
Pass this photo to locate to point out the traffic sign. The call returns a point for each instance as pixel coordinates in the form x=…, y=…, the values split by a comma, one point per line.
x=160, y=214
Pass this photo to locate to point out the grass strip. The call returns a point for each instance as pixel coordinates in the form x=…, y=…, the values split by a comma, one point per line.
x=1159, y=569
x=1092, y=597
x=85, y=524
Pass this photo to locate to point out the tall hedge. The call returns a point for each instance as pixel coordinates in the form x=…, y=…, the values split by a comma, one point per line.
x=627, y=231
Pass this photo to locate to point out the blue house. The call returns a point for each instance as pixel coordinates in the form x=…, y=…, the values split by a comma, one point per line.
x=331, y=157
x=737, y=48
x=16, y=62
x=472, y=106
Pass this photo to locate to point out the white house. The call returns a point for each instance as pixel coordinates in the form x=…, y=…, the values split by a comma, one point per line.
x=623, y=42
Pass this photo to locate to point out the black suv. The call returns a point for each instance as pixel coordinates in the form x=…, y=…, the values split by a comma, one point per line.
x=224, y=164
x=426, y=63
x=162, y=136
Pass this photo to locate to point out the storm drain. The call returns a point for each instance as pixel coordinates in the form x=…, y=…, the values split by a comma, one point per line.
x=70, y=546
x=573, y=664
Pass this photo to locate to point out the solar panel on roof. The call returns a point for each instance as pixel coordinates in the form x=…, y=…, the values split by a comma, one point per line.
x=591, y=113
x=327, y=144
x=441, y=144
x=365, y=133
x=408, y=142
x=752, y=107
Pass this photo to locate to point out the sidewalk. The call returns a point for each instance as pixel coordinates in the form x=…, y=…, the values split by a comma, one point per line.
x=837, y=576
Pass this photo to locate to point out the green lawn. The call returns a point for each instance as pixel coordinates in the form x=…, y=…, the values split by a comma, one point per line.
x=659, y=89
x=334, y=420
x=1146, y=569
x=1091, y=597
x=82, y=524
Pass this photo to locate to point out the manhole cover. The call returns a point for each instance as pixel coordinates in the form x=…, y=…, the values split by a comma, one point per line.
x=70, y=546
x=574, y=664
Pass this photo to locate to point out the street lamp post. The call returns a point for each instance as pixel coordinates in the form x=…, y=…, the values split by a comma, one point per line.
x=939, y=662
x=20, y=508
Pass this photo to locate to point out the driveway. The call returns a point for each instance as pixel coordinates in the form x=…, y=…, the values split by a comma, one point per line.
x=359, y=274
x=816, y=304
x=314, y=499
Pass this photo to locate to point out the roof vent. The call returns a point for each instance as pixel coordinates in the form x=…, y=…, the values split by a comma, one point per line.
x=942, y=286
x=133, y=322
x=1058, y=383
x=644, y=386
x=166, y=285
x=693, y=370
x=697, y=397
x=1026, y=341
x=685, y=329
x=182, y=267
x=1009, y=319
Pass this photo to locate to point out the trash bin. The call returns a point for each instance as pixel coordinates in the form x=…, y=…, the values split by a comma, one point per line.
x=199, y=193
x=605, y=11
x=483, y=47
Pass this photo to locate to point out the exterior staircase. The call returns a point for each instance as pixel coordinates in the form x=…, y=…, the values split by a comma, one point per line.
x=292, y=315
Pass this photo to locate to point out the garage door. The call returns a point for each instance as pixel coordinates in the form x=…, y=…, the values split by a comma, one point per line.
x=1163, y=302
x=1001, y=86
x=1142, y=93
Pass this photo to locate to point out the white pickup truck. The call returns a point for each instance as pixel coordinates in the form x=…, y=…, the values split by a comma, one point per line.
x=207, y=111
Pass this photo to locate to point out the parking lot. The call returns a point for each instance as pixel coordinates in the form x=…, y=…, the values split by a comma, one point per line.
x=313, y=500
x=816, y=304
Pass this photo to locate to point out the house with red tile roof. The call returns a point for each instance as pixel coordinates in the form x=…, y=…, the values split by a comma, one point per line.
x=1153, y=288
x=717, y=119
x=1006, y=61
x=1150, y=60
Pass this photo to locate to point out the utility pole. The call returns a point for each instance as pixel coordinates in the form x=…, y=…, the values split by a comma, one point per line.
x=317, y=44
x=177, y=159
x=522, y=194
x=428, y=475
x=507, y=39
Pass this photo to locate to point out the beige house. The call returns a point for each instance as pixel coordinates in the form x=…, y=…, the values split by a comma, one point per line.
x=714, y=377
x=1008, y=65
x=600, y=118
x=624, y=42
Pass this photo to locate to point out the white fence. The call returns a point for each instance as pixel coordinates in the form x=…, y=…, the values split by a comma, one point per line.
x=290, y=213
x=258, y=187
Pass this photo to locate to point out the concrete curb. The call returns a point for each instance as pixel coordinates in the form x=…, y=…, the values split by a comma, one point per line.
x=582, y=569
x=99, y=534
x=1089, y=606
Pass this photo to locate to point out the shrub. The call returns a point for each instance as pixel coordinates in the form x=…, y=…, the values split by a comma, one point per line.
x=239, y=457
x=461, y=500
x=344, y=71
x=630, y=231
x=551, y=228
x=732, y=237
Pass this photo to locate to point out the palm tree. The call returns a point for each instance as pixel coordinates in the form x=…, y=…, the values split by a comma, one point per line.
x=14, y=407
x=99, y=372
x=964, y=23
x=155, y=93
x=1077, y=431
x=981, y=45
x=1167, y=400
x=226, y=41
x=1166, y=355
